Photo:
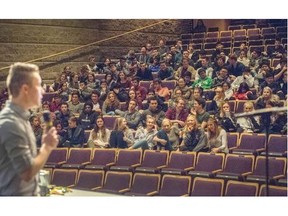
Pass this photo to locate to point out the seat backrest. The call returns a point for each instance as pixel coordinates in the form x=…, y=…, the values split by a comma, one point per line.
x=209, y=162
x=239, y=163
x=273, y=190
x=129, y=157
x=225, y=33
x=252, y=141
x=207, y=187
x=181, y=160
x=58, y=155
x=145, y=84
x=144, y=183
x=88, y=179
x=117, y=180
x=253, y=31
x=268, y=30
x=232, y=139
x=237, y=188
x=239, y=32
x=155, y=158
x=212, y=34
x=277, y=143
x=173, y=185
x=109, y=121
x=64, y=177
x=276, y=165
x=79, y=155
x=103, y=156
x=170, y=84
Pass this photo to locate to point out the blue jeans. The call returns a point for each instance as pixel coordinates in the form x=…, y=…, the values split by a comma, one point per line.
x=140, y=144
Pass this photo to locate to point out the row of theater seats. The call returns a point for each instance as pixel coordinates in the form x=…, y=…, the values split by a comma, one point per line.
x=146, y=184
x=230, y=166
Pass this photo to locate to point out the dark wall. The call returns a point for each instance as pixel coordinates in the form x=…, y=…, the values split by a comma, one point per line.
x=26, y=40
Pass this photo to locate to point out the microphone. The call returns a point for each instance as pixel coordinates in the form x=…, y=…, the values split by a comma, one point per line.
x=47, y=120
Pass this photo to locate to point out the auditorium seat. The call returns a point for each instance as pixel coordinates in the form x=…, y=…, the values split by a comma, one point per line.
x=251, y=143
x=237, y=167
x=208, y=164
x=78, y=158
x=277, y=145
x=57, y=157
x=153, y=161
x=276, y=167
x=64, y=177
x=127, y=160
x=116, y=182
x=180, y=163
x=174, y=185
x=144, y=184
x=102, y=159
x=237, y=188
x=207, y=187
x=273, y=190
x=90, y=179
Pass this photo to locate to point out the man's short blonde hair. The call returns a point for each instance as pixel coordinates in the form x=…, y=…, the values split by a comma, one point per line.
x=20, y=74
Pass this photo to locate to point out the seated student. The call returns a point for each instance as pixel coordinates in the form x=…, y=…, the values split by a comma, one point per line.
x=100, y=135
x=204, y=81
x=37, y=129
x=226, y=119
x=132, y=116
x=178, y=114
x=144, y=136
x=110, y=104
x=193, y=136
x=162, y=136
x=219, y=97
x=87, y=117
x=162, y=92
x=121, y=136
x=75, y=134
x=62, y=134
x=217, y=137
x=244, y=93
x=199, y=111
x=250, y=124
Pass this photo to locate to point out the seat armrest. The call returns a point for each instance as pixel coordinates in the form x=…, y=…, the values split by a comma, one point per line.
x=153, y=193
x=135, y=165
x=124, y=190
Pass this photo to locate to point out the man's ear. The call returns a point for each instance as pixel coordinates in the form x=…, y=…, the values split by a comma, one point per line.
x=25, y=88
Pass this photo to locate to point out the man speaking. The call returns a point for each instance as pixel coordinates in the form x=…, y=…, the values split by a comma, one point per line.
x=19, y=161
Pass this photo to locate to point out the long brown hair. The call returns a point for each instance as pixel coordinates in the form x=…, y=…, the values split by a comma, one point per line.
x=96, y=129
x=218, y=128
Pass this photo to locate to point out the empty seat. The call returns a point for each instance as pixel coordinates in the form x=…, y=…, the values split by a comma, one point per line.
x=127, y=160
x=277, y=145
x=90, y=179
x=273, y=190
x=211, y=37
x=78, y=158
x=237, y=188
x=180, y=163
x=109, y=121
x=239, y=35
x=234, y=27
x=64, y=177
x=173, y=185
x=225, y=36
x=251, y=143
x=145, y=184
x=232, y=140
x=207, y=187
x=116, y=182
x=57, y=157
x=253, y=34
x=102, y=159
x=236, y=167
x=276, y=169
x=209, y=46
x=208, y=164
x=153, y=161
